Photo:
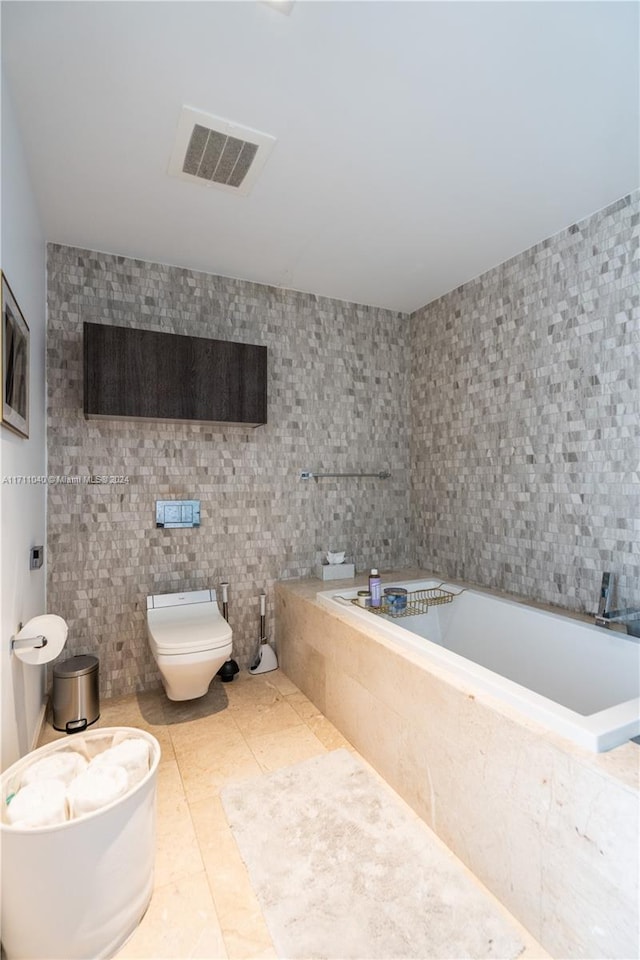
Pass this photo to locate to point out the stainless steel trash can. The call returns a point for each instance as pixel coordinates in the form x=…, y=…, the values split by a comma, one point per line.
x=76, y=698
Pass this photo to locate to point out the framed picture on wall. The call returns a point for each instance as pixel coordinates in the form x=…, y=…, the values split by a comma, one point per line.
x=14, y=333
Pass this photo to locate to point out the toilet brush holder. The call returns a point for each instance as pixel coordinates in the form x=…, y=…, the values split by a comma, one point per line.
x=266, y=659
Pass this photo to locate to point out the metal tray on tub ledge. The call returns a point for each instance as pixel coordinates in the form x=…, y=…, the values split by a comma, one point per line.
x=418, y=602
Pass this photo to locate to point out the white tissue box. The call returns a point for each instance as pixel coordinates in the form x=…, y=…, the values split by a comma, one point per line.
x=335, y=571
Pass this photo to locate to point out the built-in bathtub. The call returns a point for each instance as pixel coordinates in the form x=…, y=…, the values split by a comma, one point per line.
x=550, y=827
x=578, y=680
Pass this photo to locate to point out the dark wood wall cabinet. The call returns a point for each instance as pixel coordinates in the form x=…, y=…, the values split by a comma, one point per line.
x=145, y=375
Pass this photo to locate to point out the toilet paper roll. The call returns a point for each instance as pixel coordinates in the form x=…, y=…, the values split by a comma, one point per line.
x=48, y=625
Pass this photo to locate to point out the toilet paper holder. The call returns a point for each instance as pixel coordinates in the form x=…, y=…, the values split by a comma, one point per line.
x=28, y=643
x=40, y=640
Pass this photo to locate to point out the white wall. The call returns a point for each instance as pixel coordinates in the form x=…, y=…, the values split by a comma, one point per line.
x=22, y=507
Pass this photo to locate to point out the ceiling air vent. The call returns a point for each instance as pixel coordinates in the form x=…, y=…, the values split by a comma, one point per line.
x=218, y=152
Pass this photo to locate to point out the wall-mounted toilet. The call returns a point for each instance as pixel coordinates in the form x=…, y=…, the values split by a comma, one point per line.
x=189, y=640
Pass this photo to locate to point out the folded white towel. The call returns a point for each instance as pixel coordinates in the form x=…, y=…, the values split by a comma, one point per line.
x=39, y=804
x=132, y=754
x=95, y=788
x=63, y=765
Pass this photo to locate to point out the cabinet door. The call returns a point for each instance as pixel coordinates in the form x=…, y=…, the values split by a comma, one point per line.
x=147, y=375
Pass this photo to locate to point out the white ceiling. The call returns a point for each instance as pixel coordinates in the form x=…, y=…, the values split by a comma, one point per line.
x=418, y=144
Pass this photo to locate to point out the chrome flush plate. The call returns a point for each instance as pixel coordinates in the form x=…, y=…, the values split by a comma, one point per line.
x=177, y=513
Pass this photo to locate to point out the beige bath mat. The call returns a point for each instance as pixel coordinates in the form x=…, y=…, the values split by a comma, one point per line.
x=342, y=869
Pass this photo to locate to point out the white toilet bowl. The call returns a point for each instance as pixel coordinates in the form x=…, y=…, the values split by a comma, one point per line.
x=189, y=639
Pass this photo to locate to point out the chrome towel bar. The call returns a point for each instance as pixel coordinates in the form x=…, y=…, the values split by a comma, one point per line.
x=308, y=475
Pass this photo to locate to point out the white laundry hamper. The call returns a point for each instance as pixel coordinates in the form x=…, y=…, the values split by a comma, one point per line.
x=77, y=890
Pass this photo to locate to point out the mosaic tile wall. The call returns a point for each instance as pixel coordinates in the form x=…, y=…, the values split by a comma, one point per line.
x=525, y=443
x=338, y=401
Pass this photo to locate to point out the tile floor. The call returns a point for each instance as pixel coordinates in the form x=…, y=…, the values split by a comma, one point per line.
x=203, y=904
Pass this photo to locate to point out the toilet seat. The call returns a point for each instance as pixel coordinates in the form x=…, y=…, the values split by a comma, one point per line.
x=187, y=627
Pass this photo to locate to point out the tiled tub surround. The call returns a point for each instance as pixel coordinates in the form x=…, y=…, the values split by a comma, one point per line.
x=573, y=678
x=549, y=828
x=338, y=401
x=525, y=419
